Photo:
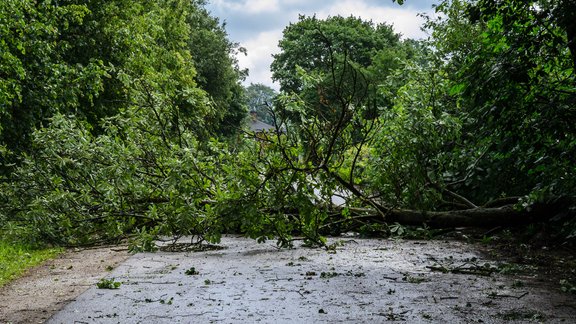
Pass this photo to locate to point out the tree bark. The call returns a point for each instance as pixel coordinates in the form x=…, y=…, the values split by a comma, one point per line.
x=484, y=216
x=476, y=217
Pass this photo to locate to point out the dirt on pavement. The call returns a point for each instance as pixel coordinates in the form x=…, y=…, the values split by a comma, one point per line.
x=45, y=289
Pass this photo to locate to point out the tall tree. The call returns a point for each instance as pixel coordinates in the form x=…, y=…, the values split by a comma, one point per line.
x=215, y=60
x=94, y=58
x=344, y=58
x=308, y=43
x=37, y=77
x=260, y=99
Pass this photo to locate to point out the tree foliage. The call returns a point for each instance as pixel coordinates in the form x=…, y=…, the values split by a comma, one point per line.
x=513, y=77
x=37, y=79
x=217, y=68
x=260, y=99
x=92, y=58
x=112, y=110
x=115, y=96
x=307, y=44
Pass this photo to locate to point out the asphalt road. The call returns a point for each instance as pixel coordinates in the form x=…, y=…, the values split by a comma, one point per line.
x=365, y=281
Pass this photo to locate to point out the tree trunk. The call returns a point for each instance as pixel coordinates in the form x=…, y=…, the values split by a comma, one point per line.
x=557, y=207
x=476, y=217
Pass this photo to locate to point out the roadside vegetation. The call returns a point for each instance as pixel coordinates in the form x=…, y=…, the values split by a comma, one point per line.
x=16, y=258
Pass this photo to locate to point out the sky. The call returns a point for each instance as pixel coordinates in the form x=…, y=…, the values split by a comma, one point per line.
x=257, y=25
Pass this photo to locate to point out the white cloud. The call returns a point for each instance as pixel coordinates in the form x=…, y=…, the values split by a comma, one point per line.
x=260, y=49
x=248, y=6
x=294, y=2
x=406, y=21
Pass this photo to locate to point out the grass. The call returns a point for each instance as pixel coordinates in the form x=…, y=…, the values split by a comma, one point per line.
x=16, y=258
